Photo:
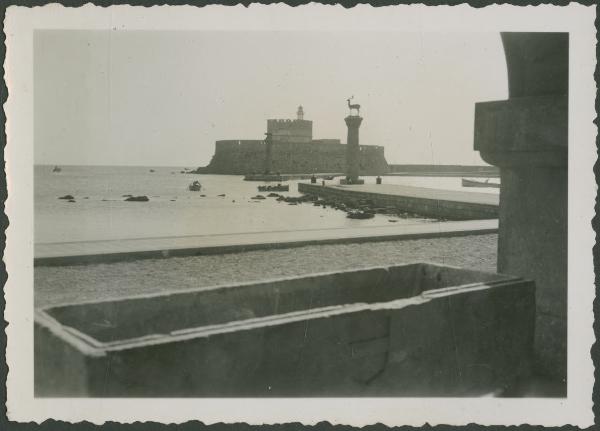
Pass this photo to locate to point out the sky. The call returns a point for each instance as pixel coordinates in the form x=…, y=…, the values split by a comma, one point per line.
x=162, y=98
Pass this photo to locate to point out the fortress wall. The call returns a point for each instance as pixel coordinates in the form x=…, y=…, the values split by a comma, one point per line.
x=236, y=156
x=308, y=158
x=226, y=145
x=238, y=144
x=245, y=157
x=372, y=159
x=325, y=142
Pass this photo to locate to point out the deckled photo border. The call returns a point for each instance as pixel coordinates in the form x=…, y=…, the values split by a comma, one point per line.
x=576, y=409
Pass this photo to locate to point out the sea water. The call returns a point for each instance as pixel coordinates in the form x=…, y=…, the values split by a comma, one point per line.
x=101, y=212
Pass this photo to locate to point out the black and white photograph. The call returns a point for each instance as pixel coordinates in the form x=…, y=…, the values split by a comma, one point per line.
x=301, y=205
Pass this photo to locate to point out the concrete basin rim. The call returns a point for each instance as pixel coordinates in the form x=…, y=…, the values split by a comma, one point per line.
x=95, y=348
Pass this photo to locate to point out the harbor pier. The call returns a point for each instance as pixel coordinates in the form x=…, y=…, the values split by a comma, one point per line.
x=447, y=204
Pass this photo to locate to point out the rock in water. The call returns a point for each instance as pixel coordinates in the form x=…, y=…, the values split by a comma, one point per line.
x=67, y=197
x=137, y=199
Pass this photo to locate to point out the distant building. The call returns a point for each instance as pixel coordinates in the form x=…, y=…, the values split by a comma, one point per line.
x=293, y=151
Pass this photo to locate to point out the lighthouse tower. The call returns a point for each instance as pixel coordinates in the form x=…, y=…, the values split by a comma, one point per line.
x=300, y=113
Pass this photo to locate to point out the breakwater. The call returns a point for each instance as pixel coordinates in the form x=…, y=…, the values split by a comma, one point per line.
x=443, y=170
x=447, y=204
x=289, y=177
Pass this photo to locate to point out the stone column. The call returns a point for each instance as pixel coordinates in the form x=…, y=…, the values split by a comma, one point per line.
x=352, y=148
x=526, y=136
x=268, y=152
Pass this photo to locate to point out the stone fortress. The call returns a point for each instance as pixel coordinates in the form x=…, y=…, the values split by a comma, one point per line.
x=294, y=151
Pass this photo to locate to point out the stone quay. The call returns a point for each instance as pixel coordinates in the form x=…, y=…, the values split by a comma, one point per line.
x=444, y=204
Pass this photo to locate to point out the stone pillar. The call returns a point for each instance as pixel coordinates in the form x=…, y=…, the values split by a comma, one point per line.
x=526, y=136
x=268, y=153
x=352, y=148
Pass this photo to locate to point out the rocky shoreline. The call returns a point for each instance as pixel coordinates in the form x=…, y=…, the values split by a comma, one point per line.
x=354, y=208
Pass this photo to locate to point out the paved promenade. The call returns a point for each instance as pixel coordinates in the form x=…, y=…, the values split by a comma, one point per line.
x=83, y=252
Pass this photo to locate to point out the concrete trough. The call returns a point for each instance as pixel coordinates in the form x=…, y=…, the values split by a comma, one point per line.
x=410, y=330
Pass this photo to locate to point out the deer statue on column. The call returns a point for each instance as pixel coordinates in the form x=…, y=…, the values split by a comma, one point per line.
x=355, y=106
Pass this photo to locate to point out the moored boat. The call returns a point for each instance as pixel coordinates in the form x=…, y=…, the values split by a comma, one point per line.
x=56, y=169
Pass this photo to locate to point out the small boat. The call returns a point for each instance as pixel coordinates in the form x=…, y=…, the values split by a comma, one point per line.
x=277, y=188
x=195, y=186
x=476, y=183
x=56, y=169
x=142, y=198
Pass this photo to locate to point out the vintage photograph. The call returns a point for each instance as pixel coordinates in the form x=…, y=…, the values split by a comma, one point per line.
x=313, y=213
x=155, y=276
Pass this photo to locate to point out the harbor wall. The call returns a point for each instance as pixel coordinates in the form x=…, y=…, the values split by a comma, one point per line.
x=240, y=157
x=438, y=208
x=445, y=170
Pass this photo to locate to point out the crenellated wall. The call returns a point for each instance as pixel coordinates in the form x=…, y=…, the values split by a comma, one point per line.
x=240, y=157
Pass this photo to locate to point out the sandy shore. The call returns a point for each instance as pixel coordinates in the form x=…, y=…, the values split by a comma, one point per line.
x=56, y=285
